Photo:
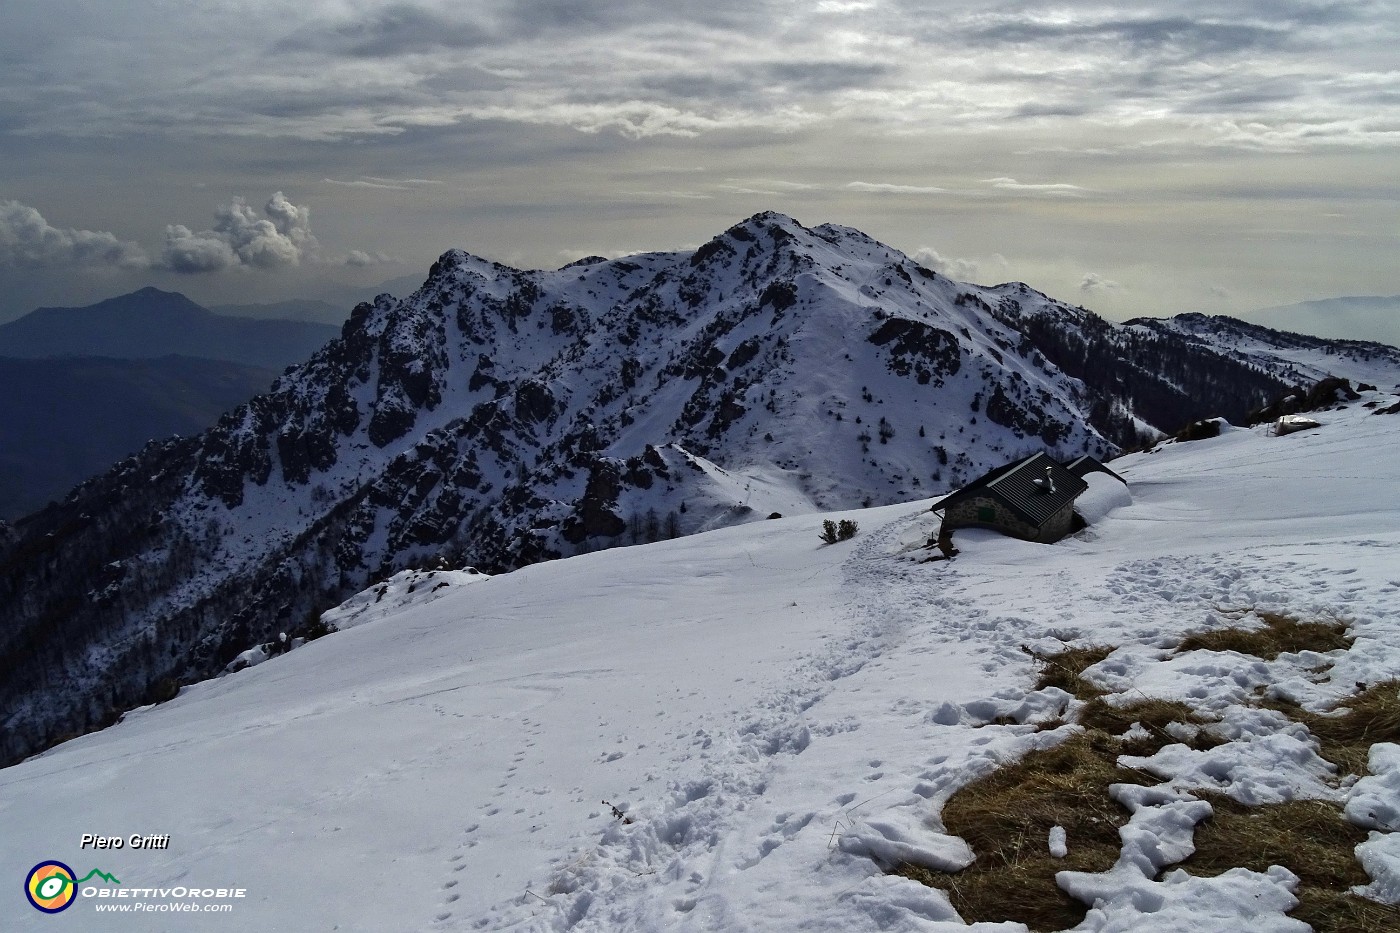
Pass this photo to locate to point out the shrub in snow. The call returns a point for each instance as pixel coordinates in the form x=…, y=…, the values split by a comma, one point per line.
x=163, y=690
x=315, y=627
x=838, y=531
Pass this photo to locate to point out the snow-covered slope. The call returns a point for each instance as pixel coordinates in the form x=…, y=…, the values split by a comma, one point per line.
x=1297, y=358
x=499, y=417
x=769, y=715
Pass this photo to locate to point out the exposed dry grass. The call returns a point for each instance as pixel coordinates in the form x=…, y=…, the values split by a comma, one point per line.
x=1014, y=892
x=1371, y=716
x=1155, y=715
x=1333, y=912
x=1065, y=669
x=1310, y=838
x=1006, y=817
x=1281, y=634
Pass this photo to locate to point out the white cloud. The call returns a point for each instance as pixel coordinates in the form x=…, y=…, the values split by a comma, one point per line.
x=669, y=195
x=767, y=187
x=327, y=69
x=187, y=251
x=386, y=184
x=1093, y=282
x=365, y=183
x=962, y=270
x=884, y=188
x=28, y=241
x=574, y=255
x=1060, y=190
x=240, y=238
x=278, y=238
x=638, y=119
x=360, y=258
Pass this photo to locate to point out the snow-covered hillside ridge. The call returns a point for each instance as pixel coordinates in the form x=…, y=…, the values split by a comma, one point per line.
x=1297, y=358
x=777, y=719
x=498, y=417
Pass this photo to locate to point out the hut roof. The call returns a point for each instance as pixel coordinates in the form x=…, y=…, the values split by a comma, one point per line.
x=1021, y=486
x=1087, y=464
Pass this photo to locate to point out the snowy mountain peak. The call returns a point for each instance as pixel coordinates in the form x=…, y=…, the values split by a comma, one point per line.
x=499, y=417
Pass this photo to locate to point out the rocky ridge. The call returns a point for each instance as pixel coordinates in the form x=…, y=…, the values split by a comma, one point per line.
x=499, y=417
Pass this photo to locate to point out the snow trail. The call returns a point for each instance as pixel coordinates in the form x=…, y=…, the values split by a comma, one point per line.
x=777, y=719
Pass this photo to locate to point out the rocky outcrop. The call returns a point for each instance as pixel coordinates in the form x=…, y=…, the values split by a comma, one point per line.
x=1322, y=394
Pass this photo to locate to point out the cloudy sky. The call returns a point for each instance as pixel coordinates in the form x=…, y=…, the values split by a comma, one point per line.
x=1138, y=159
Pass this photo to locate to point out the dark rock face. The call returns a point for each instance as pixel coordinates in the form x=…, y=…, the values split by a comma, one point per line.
x=1028, y=418
x=533, y=402
x=919, y=349
x=234, y=452
x=1330, y=391
x=781, y=295
x=596, y=515
x=744, y=353
x=412, y=362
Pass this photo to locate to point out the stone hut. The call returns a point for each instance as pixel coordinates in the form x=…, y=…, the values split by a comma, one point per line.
x=1032, y=499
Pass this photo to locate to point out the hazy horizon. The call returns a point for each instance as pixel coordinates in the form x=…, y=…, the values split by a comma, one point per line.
x=1138, y=160
x=1357, y=317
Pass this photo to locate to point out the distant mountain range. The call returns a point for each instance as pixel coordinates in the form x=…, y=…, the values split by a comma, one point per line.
x=150, y=323
x=1374, y=317
x=499, y=417
x=333, y=308
x=63, y=420
x=296, y=309
x=83, y=387
x=1294, y=357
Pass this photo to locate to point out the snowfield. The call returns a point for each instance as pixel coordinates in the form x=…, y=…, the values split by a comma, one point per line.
x=734, y=731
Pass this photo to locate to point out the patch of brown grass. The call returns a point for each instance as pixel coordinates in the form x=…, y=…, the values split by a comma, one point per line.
x=1155, y=715
x=1006, y=818
x=1281, y=634
x=1333, y=912
x=1017, y=891
x=1371, y=716
x=1065, y=669
x=1310, y=838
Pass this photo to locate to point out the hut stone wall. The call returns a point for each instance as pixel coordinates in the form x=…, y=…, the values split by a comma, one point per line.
x=986, y=512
